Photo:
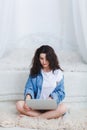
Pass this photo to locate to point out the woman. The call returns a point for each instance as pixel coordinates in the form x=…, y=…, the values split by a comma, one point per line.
x=46, y=80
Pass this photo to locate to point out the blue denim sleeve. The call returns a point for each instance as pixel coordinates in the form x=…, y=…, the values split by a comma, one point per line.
x=29, y=88
x=59, y=93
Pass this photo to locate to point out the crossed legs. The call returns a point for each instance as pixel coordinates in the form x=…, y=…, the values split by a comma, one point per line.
x=61, y=109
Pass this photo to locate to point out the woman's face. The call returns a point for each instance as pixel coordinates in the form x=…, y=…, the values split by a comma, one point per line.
x=44, y=62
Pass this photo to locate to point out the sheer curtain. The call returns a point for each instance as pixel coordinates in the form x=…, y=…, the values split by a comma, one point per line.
x=33, y=19
x=80, y=24
x=26, y=23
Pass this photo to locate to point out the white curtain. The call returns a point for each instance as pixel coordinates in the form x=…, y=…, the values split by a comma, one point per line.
x=33, y=19
x=80, y=24
x=25, y=23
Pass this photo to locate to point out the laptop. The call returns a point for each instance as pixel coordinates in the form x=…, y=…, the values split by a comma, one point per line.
x=41, y=104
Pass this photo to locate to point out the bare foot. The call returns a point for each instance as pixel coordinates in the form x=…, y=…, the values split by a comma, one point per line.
x=21, y=115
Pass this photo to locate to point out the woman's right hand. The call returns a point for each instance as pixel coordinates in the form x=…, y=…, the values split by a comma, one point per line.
x=26, y=108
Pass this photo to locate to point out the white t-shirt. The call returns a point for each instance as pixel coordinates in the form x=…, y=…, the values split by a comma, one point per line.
x=50, y=81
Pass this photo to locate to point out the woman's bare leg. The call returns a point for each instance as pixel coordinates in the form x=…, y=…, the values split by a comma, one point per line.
x=21, y=110
x=47, y=115
x=54, y=113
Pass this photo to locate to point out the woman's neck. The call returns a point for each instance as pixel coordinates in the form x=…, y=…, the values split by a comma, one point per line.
x=46, y=69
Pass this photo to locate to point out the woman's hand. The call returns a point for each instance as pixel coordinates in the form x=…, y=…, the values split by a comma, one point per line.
x=50, y=98
x=26, y=108
x=28, y=96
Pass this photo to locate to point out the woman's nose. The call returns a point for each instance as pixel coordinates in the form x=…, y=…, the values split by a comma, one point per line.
x=44, y=61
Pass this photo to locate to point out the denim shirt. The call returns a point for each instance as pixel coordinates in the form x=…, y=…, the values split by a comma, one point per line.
x=34, y=86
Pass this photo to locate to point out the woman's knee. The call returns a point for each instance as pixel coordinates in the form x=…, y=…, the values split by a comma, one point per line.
x=19, y=105
x=62, y=108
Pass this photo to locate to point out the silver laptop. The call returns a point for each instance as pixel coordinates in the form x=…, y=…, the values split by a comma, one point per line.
x=40, y=104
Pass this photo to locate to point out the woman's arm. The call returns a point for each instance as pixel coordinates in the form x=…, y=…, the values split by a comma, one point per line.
x=29, y=92
x=59, y=93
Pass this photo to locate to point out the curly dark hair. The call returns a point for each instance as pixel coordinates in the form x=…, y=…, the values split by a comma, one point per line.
x=50, y=56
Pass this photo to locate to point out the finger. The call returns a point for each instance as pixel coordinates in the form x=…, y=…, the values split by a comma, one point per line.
x=26, y=107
